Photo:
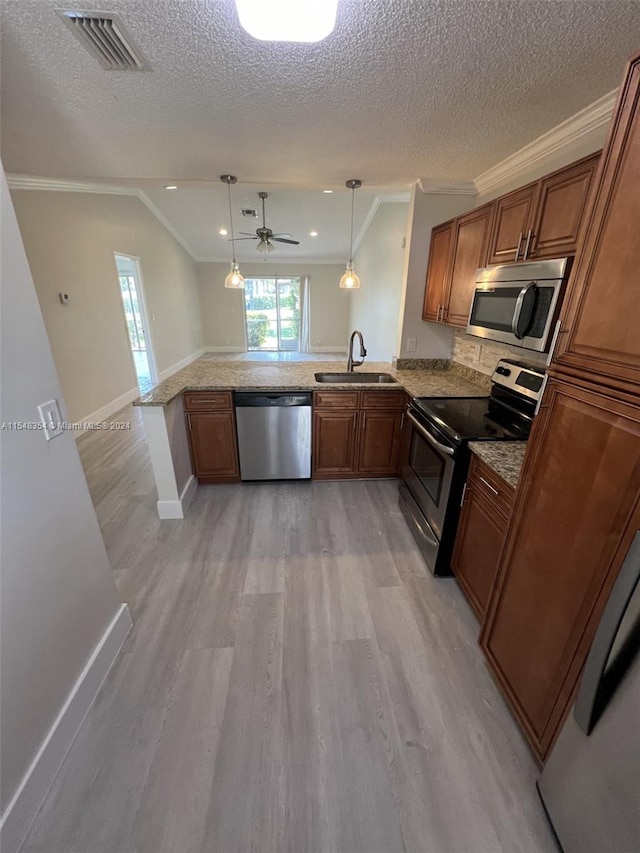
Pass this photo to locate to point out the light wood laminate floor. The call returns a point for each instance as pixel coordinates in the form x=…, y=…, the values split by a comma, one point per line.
x=295, y=681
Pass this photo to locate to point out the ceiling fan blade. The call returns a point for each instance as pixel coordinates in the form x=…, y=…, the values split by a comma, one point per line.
x=247, y=233
x=284, y=234
x=283, y=240
x=236, y=239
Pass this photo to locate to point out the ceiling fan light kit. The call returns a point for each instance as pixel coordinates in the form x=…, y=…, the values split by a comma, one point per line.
x=234, y=279
x=288, y=20
x=350, y=280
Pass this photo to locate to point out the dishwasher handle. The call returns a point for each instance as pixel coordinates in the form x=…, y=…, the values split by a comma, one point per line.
x=269, y=399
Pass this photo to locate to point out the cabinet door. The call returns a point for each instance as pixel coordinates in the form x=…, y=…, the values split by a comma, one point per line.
x=561, y=208
x=513, y=218
x=437, y=271
x=579, y=485
x=602, y=311
x=479, y=540
x=471, y=241
x=213, y=444
x=334, y=444
x=379, y=447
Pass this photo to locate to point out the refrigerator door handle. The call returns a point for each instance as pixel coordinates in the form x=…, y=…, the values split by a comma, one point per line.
x=588, y=703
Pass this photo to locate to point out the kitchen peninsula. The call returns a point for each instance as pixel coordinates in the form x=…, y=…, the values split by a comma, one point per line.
x=166, y=423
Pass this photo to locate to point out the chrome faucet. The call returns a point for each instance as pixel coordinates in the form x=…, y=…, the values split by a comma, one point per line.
x=363, y=353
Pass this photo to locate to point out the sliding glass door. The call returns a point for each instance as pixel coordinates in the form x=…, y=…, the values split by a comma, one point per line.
x=272, y=312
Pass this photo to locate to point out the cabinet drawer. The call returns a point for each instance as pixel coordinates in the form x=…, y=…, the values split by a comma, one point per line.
x=491, y=486
x=335, y=399
x=201, y=401
x=382, y=400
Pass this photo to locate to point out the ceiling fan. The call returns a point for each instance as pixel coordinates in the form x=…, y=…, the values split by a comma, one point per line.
x=265, y=235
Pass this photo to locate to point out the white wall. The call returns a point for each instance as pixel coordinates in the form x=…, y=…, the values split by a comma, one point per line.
x=223, y=313
x=425, y=211
x=379, y=263
x=70, y=239
x=58, y=594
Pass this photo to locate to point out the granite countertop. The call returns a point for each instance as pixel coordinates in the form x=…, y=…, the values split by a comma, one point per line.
x=206, y=374
x=503, y=457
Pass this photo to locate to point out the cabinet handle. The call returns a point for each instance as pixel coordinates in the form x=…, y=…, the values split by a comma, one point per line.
x=439, y=312
x=464, y=492
x=526, y=245
x=189, y=421
x=213, y=402
x=519, y=244
x=489, y=486
x=402, y=422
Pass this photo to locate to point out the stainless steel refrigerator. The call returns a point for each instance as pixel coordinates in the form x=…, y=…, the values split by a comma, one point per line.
x=590, y=785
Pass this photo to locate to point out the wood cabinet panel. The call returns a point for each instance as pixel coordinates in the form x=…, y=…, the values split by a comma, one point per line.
x=212, y=438
x=382, y=399
x=514, y=215
x=379, y=443
x=335, y=399
x=580, y=483
x=602, y=312
x=437, y=271
x=471, y=243
x=560, y=210
x=195, y=401
x=334, y=443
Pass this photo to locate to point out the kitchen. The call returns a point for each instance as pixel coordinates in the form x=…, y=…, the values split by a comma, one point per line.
x=543, y=540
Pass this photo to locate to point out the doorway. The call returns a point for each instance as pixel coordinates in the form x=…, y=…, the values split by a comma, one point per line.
x=272, y=314
x=131, y=293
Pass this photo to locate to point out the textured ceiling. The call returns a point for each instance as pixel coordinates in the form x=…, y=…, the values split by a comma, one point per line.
x=402, y=89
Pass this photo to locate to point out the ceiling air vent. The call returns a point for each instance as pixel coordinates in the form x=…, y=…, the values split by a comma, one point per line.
x=106, y=37
x=249, y=211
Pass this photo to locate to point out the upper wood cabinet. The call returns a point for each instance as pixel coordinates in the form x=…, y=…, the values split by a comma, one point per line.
x=470, y=246
x=542, y=220
x=437, y=272
x=560, y=210
x=512, y=222
x=601, y=320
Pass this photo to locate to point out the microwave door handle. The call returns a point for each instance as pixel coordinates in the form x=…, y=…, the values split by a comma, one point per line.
x=443, y=447
x=515, y=323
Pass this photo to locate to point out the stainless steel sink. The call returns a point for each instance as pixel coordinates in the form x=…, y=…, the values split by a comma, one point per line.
x=357, y=377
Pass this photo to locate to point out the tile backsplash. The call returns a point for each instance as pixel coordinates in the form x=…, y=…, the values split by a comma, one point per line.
x=464, y=346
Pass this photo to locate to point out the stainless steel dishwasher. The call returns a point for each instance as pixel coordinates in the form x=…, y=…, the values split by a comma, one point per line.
x=274, y=434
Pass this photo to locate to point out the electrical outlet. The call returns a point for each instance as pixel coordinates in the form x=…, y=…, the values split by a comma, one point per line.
x=477, y=352
x=411, y=344
x=51, y=419
x=64, y=298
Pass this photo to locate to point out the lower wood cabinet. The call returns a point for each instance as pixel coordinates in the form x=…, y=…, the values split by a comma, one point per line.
x=481, y=534
x=578, y=500
x=212, y=436
x=357, y=434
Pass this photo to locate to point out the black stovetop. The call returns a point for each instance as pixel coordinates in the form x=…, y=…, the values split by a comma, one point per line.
x=474, y=418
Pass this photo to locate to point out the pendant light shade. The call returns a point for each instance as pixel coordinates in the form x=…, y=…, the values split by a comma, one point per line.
x=234, y=279
x=350, y=280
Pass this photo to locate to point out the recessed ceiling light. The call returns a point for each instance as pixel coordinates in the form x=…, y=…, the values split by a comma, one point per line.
x=223, y=232
x=327, y=191
x=313, y=233
x=288, y=20
x=171, y=187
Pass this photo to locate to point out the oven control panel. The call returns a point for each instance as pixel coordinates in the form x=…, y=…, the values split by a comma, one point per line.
x=525, y=379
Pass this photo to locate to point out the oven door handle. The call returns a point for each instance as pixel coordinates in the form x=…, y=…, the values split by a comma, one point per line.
x=443, y=447
x=515, y=323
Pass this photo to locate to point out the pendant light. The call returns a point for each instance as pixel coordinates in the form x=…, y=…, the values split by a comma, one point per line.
x=234, y=280
x=350, y=280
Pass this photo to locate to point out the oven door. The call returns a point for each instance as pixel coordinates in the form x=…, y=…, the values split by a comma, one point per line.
x=428, y=470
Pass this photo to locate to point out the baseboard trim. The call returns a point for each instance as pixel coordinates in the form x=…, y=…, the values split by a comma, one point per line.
x=169, y=371
x=24, y=805
x=177, y=509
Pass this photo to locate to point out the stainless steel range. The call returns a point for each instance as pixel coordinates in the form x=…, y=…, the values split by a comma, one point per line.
x=436, y=461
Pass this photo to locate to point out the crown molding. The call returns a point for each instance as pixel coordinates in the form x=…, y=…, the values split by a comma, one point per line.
x=144, y=198
x=565, y=134
x=433, y=186
x=300, y=262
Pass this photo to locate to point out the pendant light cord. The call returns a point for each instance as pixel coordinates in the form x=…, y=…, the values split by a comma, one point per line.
x=233, y=245
x=353, y=198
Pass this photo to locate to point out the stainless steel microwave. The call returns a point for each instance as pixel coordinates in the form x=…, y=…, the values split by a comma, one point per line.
x=518, y=304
